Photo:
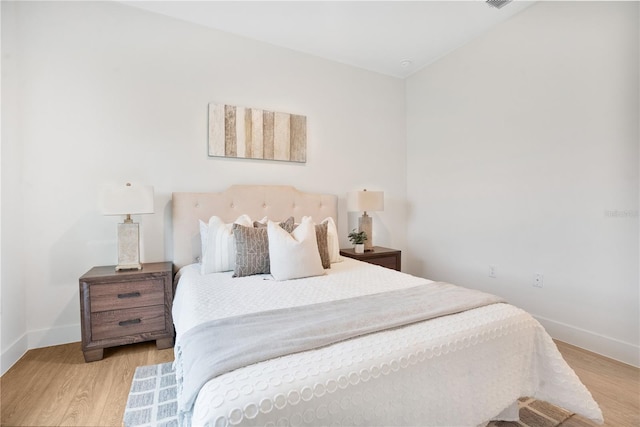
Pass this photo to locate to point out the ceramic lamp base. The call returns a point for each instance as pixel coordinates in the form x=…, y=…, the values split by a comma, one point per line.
x=365, y=223
x=128, y=246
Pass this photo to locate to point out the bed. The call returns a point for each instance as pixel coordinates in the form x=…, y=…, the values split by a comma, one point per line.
x=460, y=369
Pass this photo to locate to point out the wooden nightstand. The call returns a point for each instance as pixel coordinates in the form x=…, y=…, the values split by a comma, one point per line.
x=125, y=307
x=390, y=258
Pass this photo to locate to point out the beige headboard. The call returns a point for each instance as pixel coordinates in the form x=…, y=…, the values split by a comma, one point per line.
x=277, y=202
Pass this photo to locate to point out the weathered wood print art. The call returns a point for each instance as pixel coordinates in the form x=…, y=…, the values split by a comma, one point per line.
x=256, y=134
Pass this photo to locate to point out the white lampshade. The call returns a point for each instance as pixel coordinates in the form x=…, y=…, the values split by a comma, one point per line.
x=363, y=201
x=367, y=201
x=128, y=199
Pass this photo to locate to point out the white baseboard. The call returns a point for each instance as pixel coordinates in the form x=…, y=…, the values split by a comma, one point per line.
x=38, y=339
x=54, y=336
x=606, y=346
x=11, y=355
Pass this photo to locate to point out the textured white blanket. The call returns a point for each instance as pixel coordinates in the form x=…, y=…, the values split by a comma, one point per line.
x=220, y=346
x=457, y=370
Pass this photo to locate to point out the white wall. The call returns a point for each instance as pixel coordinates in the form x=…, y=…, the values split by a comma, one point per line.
x=112, y=93
x=13, y=324
x=520, y=145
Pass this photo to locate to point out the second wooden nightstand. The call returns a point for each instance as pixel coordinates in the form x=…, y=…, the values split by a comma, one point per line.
x=390, y=258
x=124, y=307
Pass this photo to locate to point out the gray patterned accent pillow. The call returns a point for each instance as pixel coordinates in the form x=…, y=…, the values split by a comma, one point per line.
x=252, y=250
x=288, y=224
x=323, y=244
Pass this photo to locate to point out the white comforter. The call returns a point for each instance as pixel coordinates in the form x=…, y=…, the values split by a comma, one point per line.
x=459, y=370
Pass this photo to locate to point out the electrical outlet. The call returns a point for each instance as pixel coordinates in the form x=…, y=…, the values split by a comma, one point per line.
x=492, y=271
x=538, y=280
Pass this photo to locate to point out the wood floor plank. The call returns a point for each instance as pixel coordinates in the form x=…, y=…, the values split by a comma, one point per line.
x=88, y=395
x=58, y=390
x=111, y=409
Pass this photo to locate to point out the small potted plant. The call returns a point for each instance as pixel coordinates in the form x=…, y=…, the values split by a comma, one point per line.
x=358, y=238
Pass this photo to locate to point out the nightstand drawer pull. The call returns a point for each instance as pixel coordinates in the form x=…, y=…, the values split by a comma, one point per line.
x=129, y=322
x=129, y=295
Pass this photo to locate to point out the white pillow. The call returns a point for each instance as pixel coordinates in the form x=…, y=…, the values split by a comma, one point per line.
x=218, y=244
x=332, y=240
x=295, y=255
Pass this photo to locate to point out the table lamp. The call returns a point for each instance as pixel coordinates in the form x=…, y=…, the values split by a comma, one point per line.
x=366, y=201
x=128, y=200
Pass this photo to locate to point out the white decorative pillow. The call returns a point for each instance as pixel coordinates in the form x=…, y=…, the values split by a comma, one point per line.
x=294, y=255
x=218, y=244
x=333, y=241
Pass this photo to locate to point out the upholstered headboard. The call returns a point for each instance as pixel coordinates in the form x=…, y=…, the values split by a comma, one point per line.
x=277, y=202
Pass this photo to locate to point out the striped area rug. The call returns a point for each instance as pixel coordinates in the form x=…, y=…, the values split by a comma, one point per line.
x=152, y=403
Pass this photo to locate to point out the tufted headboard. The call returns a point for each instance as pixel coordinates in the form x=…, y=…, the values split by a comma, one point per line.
x=277, y=202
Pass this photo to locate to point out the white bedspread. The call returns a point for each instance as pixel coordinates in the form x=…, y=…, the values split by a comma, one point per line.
x=459, y=370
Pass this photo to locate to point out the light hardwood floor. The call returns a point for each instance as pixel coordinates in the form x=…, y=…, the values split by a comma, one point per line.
x=54, y=386
x=614, y=385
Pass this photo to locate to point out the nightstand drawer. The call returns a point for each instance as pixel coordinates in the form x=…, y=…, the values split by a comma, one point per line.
x=120, y=323
x=389, y=262
x=119, y=296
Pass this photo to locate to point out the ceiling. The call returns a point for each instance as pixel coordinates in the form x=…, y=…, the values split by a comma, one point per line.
x=395, y=38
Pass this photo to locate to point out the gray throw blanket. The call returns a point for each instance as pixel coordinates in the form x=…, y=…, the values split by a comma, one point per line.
x=219, y=346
